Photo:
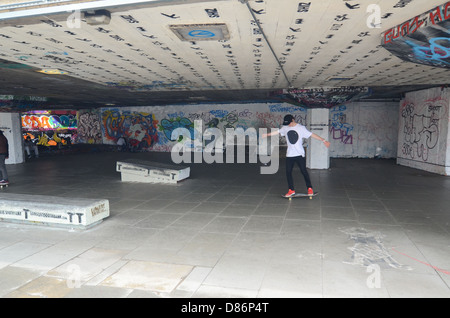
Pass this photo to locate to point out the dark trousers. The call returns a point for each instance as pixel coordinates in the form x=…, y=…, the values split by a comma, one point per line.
x=301, y=162
x=3, y=172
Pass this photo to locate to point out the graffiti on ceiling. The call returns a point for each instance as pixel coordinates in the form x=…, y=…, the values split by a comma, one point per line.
x=424, y=39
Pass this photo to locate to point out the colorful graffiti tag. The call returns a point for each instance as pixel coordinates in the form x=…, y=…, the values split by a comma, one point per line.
x=340, y=129
x=139, y=129
x=50, y=128
x=49, y=122
x=437, y=52
x=167, y=126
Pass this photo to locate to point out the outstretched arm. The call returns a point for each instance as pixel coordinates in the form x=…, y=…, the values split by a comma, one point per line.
x=272, y=133
x=326, y=143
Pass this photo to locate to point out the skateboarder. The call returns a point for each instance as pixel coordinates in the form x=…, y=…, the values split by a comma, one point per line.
x=4, y=154
x=295, y=133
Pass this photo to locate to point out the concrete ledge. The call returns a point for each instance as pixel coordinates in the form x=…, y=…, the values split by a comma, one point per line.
x=52, y=211
x=151, y=172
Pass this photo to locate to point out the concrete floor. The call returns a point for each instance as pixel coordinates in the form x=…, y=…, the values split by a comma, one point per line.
x=375, y=230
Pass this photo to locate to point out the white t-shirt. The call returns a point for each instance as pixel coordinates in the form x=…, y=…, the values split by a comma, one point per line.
x=294, y=138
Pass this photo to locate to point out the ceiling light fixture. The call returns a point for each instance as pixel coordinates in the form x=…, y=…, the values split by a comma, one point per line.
x=201, y=32
x=52, y=72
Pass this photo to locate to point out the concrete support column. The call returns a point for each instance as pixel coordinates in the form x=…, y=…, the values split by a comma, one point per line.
x=317, y=155
x=447, y=147
x=11, y=125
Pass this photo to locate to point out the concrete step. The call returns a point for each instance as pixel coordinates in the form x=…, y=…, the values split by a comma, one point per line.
x=151, y=172
x=52, y=211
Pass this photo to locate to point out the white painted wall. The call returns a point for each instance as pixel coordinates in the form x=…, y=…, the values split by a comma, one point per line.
x=358, y=129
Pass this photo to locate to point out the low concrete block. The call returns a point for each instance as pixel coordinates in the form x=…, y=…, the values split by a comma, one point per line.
x=53, y=211
x=151, y=172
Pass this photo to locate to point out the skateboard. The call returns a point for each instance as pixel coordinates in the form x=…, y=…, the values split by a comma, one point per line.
x=2, y=185
x=301, y=195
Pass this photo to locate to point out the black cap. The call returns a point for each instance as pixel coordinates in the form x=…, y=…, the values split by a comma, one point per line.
x=287, y=120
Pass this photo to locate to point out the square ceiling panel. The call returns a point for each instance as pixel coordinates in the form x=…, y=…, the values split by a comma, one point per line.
x=201, y=32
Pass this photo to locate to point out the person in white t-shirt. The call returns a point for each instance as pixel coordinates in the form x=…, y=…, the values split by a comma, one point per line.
x=295, y=133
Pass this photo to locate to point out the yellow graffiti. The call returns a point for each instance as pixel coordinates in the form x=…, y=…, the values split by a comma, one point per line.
x=43, y=140
x=56, y=138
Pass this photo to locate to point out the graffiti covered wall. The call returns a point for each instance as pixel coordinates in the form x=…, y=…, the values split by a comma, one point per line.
x=364, y=130
x=150, y=128
x=139, y=128
x=423, y=130
x=50, y=128
x=49, y=121
x=89, y=127
x=356, y=129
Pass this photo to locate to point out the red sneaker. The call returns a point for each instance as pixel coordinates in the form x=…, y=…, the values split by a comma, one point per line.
x=310, y=191
x=290, y=193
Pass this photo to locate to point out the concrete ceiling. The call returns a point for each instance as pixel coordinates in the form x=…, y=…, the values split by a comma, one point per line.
x=236, y=51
